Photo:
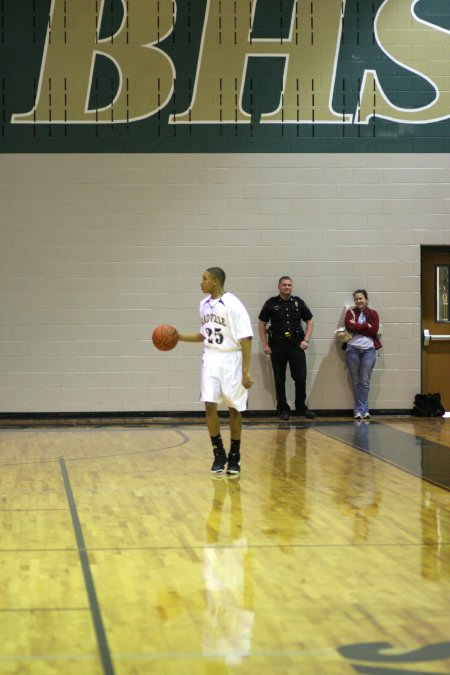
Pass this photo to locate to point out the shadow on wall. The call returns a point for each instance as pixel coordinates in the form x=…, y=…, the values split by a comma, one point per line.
x=267, y=376
x=331, y=388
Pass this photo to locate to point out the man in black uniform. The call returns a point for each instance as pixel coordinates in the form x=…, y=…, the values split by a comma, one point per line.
x=288, y=342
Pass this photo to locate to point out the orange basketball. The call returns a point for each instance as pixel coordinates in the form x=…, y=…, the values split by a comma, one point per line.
x=165, y=337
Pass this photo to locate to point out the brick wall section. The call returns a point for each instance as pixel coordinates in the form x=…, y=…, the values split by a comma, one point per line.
x=96, y=250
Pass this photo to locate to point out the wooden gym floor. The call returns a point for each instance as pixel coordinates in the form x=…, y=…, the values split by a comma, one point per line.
x=330, y=554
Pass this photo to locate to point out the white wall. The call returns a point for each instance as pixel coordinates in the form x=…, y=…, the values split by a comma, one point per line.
x=96, y=250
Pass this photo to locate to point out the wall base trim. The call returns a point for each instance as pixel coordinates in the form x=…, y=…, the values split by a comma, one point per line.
x=10, y=419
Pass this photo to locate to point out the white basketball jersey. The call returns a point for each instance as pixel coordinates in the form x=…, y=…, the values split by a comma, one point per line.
x=224, y=321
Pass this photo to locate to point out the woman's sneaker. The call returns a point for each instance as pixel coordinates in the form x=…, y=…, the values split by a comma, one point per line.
x=358, y=416
x=366, y=416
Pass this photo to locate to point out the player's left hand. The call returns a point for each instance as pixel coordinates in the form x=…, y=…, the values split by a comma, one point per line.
x=247, y=380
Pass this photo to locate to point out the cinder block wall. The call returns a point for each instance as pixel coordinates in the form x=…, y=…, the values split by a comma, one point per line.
x=96, y=250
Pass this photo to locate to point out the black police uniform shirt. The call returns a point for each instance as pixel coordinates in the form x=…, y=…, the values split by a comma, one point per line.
x=285, y=316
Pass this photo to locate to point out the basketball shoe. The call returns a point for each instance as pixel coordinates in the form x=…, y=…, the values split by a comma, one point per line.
x=234, y=463
x=220, y=460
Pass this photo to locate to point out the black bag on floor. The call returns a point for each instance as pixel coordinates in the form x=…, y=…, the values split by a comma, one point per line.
x=428, y=405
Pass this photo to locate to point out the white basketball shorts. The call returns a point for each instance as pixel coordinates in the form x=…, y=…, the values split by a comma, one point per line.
x=221, y=379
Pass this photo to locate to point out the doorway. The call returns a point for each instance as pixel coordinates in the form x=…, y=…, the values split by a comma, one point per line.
x=435, y=263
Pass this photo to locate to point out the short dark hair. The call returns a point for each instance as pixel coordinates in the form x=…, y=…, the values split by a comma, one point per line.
x=217, y=273
x=285, y=276
x=362, y=291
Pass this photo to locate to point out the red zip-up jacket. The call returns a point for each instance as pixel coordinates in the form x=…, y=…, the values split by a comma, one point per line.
x=369, y=328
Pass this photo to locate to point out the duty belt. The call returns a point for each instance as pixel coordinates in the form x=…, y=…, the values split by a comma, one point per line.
x=289, y=335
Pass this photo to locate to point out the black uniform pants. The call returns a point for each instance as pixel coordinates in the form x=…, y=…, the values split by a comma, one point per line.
x=284, y=352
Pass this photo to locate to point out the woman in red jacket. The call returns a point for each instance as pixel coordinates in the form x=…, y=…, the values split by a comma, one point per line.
x=360, y=354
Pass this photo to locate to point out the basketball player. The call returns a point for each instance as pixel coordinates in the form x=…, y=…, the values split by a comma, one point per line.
x=226, y=333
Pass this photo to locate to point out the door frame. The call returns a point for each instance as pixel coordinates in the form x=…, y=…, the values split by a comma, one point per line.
x=425, y=248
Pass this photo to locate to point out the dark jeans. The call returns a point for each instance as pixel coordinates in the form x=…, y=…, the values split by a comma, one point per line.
x=284, y=352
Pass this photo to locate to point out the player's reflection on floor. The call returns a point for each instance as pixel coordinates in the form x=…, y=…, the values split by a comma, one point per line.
x=229, y=613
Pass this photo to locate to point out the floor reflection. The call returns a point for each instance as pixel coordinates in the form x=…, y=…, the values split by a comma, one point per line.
x=357, y=492
x=229, y=613
x=436, y=535
x=286, y=510
x=361, y=435
x=419, y=456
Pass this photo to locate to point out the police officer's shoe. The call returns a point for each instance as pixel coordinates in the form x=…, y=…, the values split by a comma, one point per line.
x=283, y=415
x=220, y=459
x=234, y=463
x=309, y=414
